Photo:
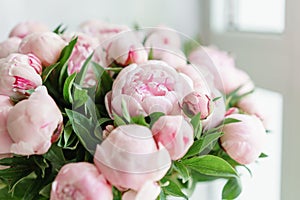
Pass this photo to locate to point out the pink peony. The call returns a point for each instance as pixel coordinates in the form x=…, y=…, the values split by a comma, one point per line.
x=29, y=59
x=5, y=140
x=197, y=102
x=23, y=29
x=18, y=76
x=34, y=123
x=11, y=45
x=150, y=87
x=226, y=76
x=251, y=106
x=47, y=46
x=244, y=140
x=129, y=157
x=149, y=191
x=80, y=181
x=175, y=133
x=102, y=30
x=124, y=49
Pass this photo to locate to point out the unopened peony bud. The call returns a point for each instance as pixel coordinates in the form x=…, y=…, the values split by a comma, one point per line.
x=23, y=29
x=47, y=46
x=80, y=180
x=11, y=45
x=34, y=123
x=244, y=140
x=197, y=102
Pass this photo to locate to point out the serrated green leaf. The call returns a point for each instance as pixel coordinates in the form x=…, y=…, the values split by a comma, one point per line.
x=232, y=189
x=183, y=171
x=47, y=71
x=67, y=89
x=212, y=166
x=200, y=145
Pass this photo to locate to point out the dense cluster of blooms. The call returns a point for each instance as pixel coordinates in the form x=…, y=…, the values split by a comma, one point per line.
x=111, y=112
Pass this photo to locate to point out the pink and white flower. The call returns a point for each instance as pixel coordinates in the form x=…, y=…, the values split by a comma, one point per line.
x=150, y=87
x=244, y=140
x=149, y=191
x=33, y=130
x=23, y=29
x=80, y=180
x=10, y=45
x=175, y=133
x=129, y=157
x=47, y=46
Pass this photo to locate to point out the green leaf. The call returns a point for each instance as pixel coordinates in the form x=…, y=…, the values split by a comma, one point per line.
x=125, y=113
x=171, y=188
x=47, y=71
x=232, y=189
x=200, y=145
x=150, y=55
x=262, y=155
x=84, y=130
x=197, y=125
x=139, y=120
x=117, y=195
x=154, y=117
x=42, y=164
x=80, y=96
x=181, y=168
x=81, y=75
x=119, y=121
x=230, y=120
x=56, y=157
x=60, y=29
x=212, y=166
x=67, y=89
x=45, y=191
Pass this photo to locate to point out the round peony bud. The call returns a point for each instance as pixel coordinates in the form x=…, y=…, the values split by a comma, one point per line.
x=125, y=49
x=80, y=180
x=175, y=133
x=47, y=46
x=34, y=123
x=30, y=59
x=244, y=140
x=5, y=140
x=197, y=102
x=129, y=157
x=23, y=29
x=11, y=45
x=18, y=76
x=149, y=191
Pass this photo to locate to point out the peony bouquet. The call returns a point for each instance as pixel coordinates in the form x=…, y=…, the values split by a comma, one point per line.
x=111, y=112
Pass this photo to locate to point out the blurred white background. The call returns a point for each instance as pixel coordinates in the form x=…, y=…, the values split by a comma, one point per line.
x=272, y=59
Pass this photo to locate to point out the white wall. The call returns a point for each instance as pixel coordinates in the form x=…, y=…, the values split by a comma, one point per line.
x=179, y=14
x=273, y=63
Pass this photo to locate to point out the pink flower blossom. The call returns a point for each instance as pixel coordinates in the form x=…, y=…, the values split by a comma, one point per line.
x=125, y=49
x=80, y=181
x=150, y=87
x=23, y=29
x=11, y=45
x=129, y=157
x=175, y=133
x=29, y=59
x=18, y=76
x=149, y=191
x=244, y=140
x=47, y=46
x=33, y=130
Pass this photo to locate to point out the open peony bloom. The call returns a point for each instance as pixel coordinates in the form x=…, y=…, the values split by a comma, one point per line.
x=175, y=133
x=18, y=76
x=34, y=123
x=30, y=59
x=227, y=77
x=5, y=140
x=11, y=45
x=124, y=49
x=23, y=29
x=80, y=181
x=150, y=87
x=149, y=191
x=129, y=157
x=47, y=46
x=244, y=140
